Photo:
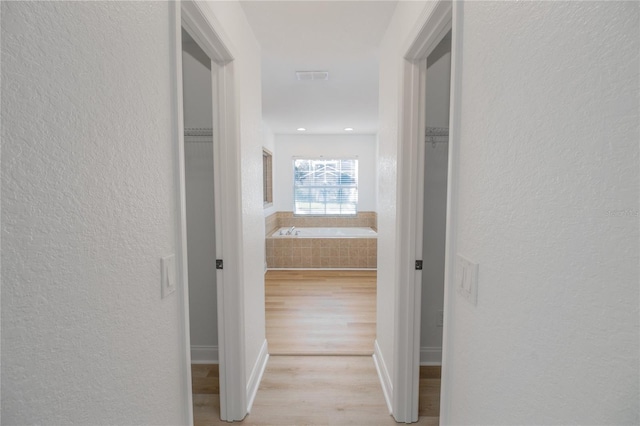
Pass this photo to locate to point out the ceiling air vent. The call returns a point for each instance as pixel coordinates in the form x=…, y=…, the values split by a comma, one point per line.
x=312, y=75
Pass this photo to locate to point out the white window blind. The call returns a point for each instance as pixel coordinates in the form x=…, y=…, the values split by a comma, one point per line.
x=325, y=187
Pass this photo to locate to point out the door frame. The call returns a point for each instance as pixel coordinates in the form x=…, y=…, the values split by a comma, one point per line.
x=204, y=28
x=444, y=16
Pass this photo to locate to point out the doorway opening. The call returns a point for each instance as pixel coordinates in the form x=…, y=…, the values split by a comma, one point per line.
x=200, y=220
x=214, y=146
x=434, y=222
x=442, y=25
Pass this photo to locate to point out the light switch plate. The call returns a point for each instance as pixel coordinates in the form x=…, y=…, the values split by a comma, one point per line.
x=467, y=279
x=168, y=275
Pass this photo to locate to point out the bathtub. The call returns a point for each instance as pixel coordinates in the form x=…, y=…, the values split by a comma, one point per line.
x=326, y=233
x=322, y=248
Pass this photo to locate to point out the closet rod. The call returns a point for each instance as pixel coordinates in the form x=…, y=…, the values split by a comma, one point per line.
x=198, y=131
x=437, y=131
x=436, y=135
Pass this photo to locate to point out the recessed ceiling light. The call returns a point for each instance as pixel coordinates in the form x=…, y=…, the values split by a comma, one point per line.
x=302, y=129
x=348, y=129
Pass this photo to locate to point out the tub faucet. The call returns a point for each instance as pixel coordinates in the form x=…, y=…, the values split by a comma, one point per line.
x=290, y=231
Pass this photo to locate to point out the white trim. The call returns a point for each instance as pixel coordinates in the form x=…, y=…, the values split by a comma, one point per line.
x=408, y=294
x=181, y=210
x=198, y=20
x=452, y=207
x=383, y=375
x=256, y=375
x=431, y=27
x=201, y=26
x=430, y=355
x=228, y=218
x=203, y=354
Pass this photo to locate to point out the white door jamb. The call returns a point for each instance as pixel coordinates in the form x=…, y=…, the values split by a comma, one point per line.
x=445, y=16
x=203, y=27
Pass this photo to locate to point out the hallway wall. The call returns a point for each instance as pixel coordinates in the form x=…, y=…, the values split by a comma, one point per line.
x=547, y=206
x=548, y=153
x=88, y=201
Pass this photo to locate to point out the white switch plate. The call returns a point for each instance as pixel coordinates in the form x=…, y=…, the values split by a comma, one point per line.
x=168, y=275
x=467, y=279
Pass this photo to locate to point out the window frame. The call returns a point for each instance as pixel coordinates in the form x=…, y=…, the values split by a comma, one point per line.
x=267, y=178
x=322, y=158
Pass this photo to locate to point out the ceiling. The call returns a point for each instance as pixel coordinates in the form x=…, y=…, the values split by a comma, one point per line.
x=341, y=37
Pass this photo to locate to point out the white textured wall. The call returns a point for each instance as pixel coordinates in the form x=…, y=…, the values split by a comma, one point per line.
x=404, y=18
x=328, y=146
x=87, y=212
x=435, y=203
x=201, y=250
x=246, y=64
x=549, y=146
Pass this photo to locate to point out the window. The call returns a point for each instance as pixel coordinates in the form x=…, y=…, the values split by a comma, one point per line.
x=325, y=187
x=267, y=178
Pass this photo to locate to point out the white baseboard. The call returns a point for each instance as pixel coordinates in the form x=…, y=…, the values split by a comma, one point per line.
x=201, y=354
x=256, y=375
x=383, y=375
x=430, y=355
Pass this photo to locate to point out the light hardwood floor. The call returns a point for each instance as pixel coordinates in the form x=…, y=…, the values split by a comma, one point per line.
x=320, y=313
x=315, y=390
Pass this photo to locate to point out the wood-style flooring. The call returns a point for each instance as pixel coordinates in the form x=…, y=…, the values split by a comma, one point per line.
x=320, y=312
x=315, y=390
x=331, y=315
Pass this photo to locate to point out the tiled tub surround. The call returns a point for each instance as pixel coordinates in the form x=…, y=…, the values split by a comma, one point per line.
x=287, y=219
x=329, y=253
x=297, y=252
x=318, y=232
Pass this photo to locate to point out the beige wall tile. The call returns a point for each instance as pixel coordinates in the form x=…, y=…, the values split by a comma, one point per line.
x=320, y=252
